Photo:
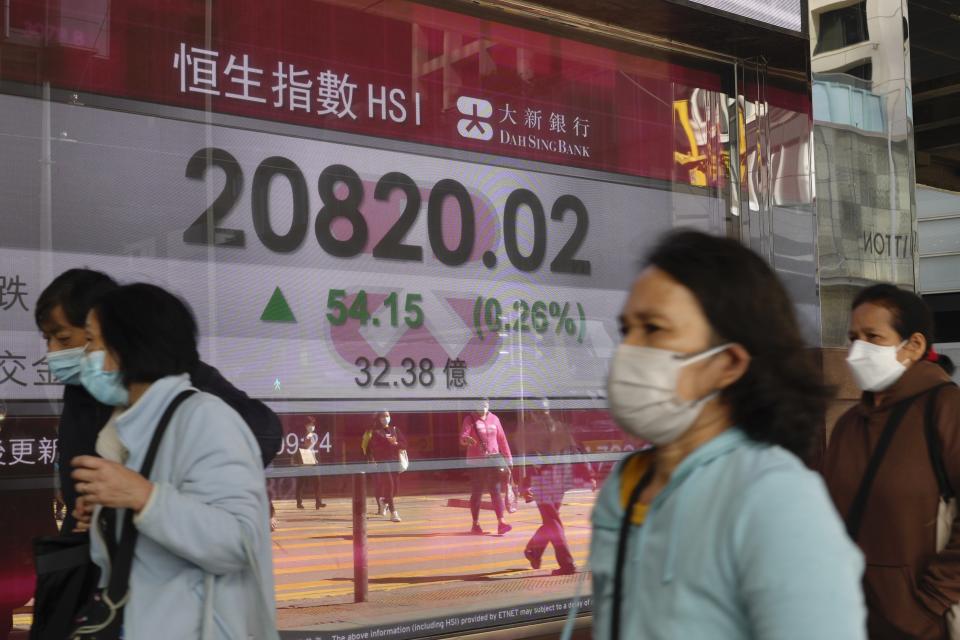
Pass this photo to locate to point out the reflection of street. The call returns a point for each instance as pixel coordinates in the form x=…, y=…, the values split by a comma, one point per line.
x=424, y=567
x=428, y=565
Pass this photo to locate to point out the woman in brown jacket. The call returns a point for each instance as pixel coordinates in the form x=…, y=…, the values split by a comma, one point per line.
x=908, y=585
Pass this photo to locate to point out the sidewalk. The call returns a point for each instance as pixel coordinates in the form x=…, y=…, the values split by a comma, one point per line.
x=426, y=566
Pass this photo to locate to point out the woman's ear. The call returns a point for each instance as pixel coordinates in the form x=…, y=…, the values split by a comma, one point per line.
x=736, y=363
x=916, y=347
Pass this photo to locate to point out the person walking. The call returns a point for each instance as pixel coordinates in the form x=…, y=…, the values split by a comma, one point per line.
x=548, y=480
x=719, y=530
x=884, y=459
x=385, y=446
x=202, y=554
x=309, y=443
x=61, y=314
x=376, y=489
x=489, y=459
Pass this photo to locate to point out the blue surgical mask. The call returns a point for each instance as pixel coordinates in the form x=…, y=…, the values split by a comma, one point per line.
x=65, y=364
x=105, y=386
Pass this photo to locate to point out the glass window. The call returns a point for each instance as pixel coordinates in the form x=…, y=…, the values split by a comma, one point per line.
x=371, y=209
x=863, y=71
x=842, y=27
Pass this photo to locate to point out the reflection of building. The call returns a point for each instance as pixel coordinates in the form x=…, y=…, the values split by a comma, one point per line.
x=935, y=69
x=938, y=242
x=860, y=50
x=59, y=23
x=863, y=150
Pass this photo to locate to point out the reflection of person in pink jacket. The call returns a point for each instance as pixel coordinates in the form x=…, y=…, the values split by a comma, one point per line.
x=483, y=436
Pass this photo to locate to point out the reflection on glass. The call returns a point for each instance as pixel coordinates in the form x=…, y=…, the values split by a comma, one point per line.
x=864, y=152
x=376, y=229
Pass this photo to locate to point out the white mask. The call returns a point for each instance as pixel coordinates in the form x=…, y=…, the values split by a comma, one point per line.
x=875, y=367
x=386, y=419
x=642, y=392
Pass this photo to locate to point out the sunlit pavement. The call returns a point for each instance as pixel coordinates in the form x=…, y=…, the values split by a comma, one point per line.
x=425, y=566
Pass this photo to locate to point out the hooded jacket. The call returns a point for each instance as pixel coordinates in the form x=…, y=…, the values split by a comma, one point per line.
x=742, y=543
x=208, y=503
x=907, y=585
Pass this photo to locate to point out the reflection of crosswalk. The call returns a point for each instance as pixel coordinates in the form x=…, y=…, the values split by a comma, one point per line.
x=313, y=549
x=432, y=547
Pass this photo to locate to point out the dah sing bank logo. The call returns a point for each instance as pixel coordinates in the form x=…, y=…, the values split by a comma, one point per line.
x=524, y=128
x=474, y=127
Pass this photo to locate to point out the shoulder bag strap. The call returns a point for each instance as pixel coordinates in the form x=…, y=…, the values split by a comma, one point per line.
x=122, y=561
x=622, y=539
x=857, y=508
x=934, y=448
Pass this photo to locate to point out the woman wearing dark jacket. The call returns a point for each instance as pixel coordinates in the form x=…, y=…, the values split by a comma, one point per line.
x=908, y=585
x=386, y=443
x=547, y=480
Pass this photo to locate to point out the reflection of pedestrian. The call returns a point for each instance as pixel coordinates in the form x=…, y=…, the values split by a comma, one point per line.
x=386, y=442
x=547, y=484
x=368, y=456
x=309, y=442
x=483, y=436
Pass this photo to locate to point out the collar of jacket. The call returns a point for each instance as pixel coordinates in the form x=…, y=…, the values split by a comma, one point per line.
x=730, y=440
x=918, y=379
x=724, y=443
x=135, y=426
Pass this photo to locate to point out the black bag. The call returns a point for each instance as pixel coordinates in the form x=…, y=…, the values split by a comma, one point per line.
x=502, y=469
x=263, y=422
x=65, y=579
x=66, y=576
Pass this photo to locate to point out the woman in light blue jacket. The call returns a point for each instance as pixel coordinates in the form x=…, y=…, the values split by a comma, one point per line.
x=202, y=561
x=729, y=535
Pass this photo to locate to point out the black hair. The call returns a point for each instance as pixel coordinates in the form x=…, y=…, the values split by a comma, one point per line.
x=910, y=313
x=781, y=398
x=151, y=331
x=76, y=291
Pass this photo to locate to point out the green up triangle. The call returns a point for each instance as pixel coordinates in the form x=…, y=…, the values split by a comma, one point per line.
x=277, y=310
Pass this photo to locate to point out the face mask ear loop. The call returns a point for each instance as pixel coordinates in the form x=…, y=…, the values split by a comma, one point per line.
x=900, y=347
x=703, y=355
